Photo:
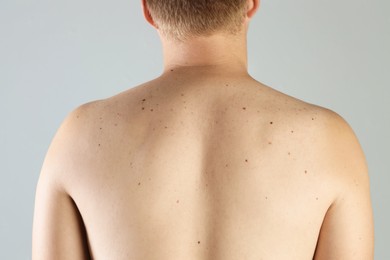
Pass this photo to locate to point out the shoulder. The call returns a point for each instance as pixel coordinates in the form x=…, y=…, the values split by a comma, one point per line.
x=328, y=142
x=71, y=144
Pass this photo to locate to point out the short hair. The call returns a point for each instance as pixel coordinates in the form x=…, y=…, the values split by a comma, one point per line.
x=181, y=19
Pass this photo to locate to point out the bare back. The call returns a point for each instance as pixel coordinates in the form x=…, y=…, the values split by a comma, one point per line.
x=201, y=168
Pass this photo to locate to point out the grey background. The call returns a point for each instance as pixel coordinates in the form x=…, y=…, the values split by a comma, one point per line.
x=56, y=55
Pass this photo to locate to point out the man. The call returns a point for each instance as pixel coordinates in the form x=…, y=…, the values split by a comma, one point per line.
x=203, y=162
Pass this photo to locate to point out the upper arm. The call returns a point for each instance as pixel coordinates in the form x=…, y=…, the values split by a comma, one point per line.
x=347, y=231
x=58, y=229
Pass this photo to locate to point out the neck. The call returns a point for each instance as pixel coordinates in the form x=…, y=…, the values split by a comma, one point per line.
x=216, y=53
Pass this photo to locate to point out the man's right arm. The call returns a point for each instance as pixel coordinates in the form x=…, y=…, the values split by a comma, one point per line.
x=347, y=231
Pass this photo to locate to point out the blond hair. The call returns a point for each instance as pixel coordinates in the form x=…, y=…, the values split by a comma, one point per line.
x=181, y=19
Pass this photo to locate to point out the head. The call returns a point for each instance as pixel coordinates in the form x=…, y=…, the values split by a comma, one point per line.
x=184, y=19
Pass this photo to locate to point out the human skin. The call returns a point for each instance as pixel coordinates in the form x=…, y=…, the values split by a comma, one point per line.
x=203, y=162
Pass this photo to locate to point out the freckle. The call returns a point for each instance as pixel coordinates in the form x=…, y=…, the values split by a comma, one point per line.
x=143, y=108
x=116, y=124
x=258, y=111
x=118, y=114
x=166, y=127
x=266, y=197
x=246, y=160
x=292, y=132
x=139, y=184
x=177, y=201
x=154, y=129
x=171, y=70
x=100, y=118
x=151, y=109
x=226, y=165
x=244, y=108
x=305, y=172
x=198, y=242
x=316, y=198
x=269, y=142
x=99, y=145
x=182, y=94
x=289, y=153
x=312, y=118
x=227, y=85
x=101, y=128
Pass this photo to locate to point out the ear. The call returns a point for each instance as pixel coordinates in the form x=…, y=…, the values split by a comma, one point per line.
x=253, y=6
x=147, y=14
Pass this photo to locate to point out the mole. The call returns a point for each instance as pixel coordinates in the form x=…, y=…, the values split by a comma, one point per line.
x=151, y=109
x=244, y=108
x=198, y=242
x=271, y=123
x=305, y=172
x=177, y=201
x=143, y=108
x=139, y=184
x=246, y=160
x=171, y=70
x=143, y=100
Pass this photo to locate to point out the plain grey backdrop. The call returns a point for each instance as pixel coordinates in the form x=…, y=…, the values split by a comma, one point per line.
x=57, y=55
